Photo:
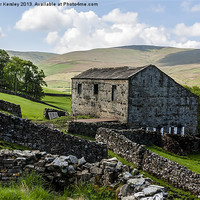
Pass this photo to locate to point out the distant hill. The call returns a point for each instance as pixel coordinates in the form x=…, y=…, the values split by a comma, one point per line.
x=181, y=64
x=35, y=57
x=182, y=58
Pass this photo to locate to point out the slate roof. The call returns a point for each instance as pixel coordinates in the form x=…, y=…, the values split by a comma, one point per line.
x=120, y=73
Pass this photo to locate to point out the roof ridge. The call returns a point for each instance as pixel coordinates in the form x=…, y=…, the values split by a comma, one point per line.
x=123, y=73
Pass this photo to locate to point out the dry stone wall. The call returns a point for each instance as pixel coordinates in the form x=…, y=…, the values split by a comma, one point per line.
x=90, y=129
x=11, y=108
x=34, y=136
x=141, y=136
x=175, y=143
x=156, y=165
x=65, y=170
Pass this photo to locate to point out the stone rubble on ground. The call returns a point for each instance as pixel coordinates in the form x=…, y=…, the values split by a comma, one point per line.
x=65, y=170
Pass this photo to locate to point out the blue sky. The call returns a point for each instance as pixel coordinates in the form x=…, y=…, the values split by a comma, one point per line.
x=112, y=23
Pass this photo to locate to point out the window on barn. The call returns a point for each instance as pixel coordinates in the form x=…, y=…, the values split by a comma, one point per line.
x=96, y=88
x=79, y=88
x=114, y=90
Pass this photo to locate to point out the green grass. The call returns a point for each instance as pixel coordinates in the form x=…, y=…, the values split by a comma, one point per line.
x=11, y=146
x=61, y=102
x=34, y=187
x=48, y=90
x=31, y=110
x=192, y=161
x=54, y=69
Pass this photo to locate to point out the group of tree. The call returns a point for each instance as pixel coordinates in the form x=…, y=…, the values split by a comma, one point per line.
x=20, y=75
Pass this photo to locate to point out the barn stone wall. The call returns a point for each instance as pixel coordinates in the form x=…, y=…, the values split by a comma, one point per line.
x=101, y=104
x=156, y=100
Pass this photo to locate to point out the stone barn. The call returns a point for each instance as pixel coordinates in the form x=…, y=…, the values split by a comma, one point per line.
x=143, y=97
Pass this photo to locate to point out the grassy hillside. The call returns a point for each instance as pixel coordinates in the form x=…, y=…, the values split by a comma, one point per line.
x=35, y=57
x=33, y=110
x=61, y=102
x=181, y=64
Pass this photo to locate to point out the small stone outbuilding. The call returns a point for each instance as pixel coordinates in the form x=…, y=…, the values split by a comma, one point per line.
x=143, y=97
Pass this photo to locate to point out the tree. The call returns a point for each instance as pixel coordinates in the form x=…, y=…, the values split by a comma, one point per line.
x=4, y=59
x=13, y=73
x=23, y=76
x=33, y=80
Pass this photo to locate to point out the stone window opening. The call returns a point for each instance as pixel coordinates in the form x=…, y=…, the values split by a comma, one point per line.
x=114, y=90
x=79, y=88
x=96, y=88
x=174, y=130
x=179, y=130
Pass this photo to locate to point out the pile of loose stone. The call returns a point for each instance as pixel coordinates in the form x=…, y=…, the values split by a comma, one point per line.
x=65, y=170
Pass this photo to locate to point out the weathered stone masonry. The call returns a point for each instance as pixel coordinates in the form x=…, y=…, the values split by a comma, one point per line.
x=156, y=100
x=146, y=160
x=142, y=97
x=90, y=129
x=101, y=104
x=65, y=170
x=34, y=136
x=11, y=108
x=174, y=143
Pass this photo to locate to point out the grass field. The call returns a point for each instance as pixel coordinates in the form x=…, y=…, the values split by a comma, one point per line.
x=61, y=102
x=191, y=161
x=33, y=110
x=48, y=90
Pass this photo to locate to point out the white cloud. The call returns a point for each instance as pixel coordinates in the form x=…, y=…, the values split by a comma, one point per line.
x=155, y=36
x=183, y=30
x=70, y=30
x=187, y=44
x=190, y=7
x=195, y=8
x=1, y=33
x=52, y=37
x=158, y=8
x=116, y=16
x=44, y=18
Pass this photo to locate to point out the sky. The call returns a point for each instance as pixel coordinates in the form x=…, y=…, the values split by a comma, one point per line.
x=32, y=25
